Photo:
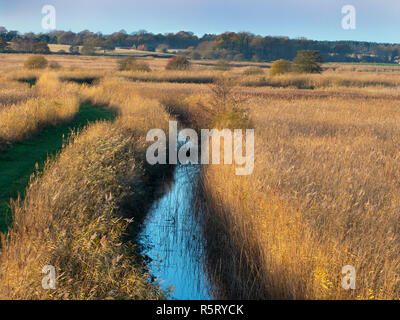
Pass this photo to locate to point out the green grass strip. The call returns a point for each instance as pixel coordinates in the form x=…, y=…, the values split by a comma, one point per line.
x=18, y=163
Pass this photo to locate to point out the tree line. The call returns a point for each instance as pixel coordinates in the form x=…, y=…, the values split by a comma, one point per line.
x=246, y=46
x=241, y=46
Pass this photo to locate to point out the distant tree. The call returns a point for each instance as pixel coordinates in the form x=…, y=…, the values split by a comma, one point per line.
x=238, y=57
x=119, y=39
x=208, y=37
x=280, y=67
x=308, y=61
x=11, y=35
x=3, y=30
x=24, y=45
x=139, y=32
x=43, y=38
x=74, y=49
x=29, y=35
x=36, y=62
x=131, y=64
x=106, y=44
x=3, y=44
x=67, y=38
x=162, y=48
x=178, y=63
x=142, y=47
x=41, y=47
x=342, y=48
x=88, y=49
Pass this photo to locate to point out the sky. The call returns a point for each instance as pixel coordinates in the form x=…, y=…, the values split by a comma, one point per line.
x=376, y=20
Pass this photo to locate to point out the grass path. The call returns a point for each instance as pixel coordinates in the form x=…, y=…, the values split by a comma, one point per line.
x=18, y=163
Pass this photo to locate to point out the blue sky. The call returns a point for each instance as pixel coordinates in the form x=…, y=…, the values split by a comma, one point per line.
x=376, y=20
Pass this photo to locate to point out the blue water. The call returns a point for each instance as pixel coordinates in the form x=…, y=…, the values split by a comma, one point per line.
x=172, y=238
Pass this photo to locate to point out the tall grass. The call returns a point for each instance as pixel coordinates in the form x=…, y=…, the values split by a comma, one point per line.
x=54, y=103
x=324, y=194
x=326, y=80
x=76, y=214
x=13, y=92
x=70, y=219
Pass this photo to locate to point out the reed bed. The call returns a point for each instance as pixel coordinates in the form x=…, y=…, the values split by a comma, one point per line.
x=13, y=92
x=323, y=195
x=75, y=214
x=53, y=103
x=344, y=79
x=15, y=61
x=70, y=220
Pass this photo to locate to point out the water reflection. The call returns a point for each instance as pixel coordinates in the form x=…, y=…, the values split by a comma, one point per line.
x=172, y=239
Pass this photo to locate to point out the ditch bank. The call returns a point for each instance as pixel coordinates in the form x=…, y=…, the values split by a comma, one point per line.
x=171, y=235
x=214, y=264
x=24, y=158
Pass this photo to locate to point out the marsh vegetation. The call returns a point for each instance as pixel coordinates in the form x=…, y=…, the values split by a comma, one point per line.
x=323, y=194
